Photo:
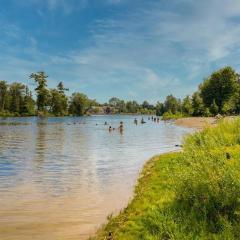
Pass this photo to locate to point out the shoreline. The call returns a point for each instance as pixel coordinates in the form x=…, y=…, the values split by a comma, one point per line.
x=153, y=208
x=117, y=223
x=199, y=123
x=196, y=122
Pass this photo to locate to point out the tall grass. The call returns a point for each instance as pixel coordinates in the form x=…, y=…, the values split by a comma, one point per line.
x=194, y=194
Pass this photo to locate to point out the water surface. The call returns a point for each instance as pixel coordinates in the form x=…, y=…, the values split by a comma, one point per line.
x=61, y=177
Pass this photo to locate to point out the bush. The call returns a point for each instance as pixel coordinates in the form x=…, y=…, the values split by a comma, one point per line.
x=170, y=115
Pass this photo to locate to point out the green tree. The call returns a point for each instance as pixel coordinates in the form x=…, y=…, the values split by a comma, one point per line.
x=42, y=92
x=3, y=94
x=118, y=104
x=132, y=107
x=61, y=88
x=122, y=106
x=197, y=104
x=172, y=104
x=58, y=100
x=145, y=104
x=214, y=108
x=16, y=92
x=79, y=104
x=159, y=109
x=187, y=107
x=114, y=101
x=219, y=87
x=28, y=106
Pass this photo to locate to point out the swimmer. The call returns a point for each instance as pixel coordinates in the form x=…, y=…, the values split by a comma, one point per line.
x=105, y=123
x=110, y=129
x=142, y=121
x=135, y=121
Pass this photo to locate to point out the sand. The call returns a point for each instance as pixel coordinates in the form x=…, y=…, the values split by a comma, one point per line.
x=196, y=122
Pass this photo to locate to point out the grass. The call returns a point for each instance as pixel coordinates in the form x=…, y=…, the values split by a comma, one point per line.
x=193, y=194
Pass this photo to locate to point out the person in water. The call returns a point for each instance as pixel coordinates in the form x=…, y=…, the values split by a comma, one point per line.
x=142, y=121
x=121, y=127
x=135, y=121
x=110, y=129
x=105, y=123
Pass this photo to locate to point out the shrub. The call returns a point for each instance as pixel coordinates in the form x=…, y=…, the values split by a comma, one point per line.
x=170, y=115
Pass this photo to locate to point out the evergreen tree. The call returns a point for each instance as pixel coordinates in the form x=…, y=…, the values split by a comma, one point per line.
x=42, y=92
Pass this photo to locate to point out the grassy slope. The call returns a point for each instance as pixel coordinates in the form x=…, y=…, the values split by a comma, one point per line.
x=190, y=195
x=153, y=190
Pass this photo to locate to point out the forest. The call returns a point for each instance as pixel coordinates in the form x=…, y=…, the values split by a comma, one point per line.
x=217, y=94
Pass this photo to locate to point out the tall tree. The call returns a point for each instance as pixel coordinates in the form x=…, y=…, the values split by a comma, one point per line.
x=61, y=88
x=16, y=92
x=172, y=104
x=197, y=103
x=219, y=87
x=3, y=94
x=187, y=107
x=159, y=109
x=58, y=100
x=28, y=106
x=42, y=92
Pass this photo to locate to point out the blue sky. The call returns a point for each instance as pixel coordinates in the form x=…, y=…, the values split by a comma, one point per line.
x=131, y=49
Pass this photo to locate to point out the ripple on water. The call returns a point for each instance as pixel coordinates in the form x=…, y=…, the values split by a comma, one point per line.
x=61, y=177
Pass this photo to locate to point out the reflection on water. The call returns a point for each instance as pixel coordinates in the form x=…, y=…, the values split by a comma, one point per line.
x=61, y=177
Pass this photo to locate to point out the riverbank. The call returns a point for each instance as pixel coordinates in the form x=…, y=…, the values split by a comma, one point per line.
x=186, y=195
x=200, y=122
x=196, y=122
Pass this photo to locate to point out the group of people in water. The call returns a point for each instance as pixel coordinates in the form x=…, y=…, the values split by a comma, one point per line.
x=154, y=119
x=121, y=128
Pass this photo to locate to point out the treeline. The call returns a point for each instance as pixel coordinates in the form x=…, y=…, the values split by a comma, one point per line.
x=218, y=94
x=17, y=100
x=118, y=106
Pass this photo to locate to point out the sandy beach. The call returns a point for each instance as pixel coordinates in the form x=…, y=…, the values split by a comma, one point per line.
x=196, y=122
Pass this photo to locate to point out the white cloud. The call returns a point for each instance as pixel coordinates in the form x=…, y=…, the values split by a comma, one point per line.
x=153, y=50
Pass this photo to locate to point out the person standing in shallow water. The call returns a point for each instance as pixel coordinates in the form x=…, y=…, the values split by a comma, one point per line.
x=142, y=121
x=121, y=127
x=135, y=121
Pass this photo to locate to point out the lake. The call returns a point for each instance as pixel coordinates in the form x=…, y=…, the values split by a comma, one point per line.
x=61, y=177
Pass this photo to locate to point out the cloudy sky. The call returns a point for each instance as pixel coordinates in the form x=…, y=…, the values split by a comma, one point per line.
x=132, y=49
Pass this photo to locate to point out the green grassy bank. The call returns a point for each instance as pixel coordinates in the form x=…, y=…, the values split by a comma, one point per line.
x=193, y=194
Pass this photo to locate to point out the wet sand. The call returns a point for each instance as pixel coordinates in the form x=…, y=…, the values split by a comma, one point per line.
x=196, y=122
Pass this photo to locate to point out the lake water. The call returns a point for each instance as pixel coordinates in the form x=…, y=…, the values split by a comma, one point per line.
x=61, y=177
